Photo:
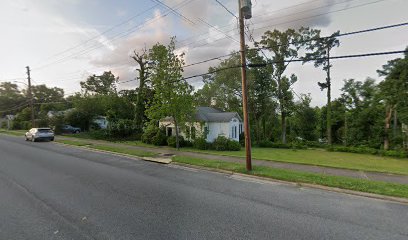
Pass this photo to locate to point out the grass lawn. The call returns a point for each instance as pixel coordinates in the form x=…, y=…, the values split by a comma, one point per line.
x=321, y=157
x=383, y=188
x=132, y=152
x=318, y=157
x=13, y=132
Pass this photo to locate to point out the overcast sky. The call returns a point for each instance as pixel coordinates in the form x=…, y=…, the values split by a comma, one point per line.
x=65, y=41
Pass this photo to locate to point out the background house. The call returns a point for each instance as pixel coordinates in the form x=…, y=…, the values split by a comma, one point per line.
x=101, y=121
x=209, y=122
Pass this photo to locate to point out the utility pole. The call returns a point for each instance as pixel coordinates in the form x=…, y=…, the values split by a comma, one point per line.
x=329, y=107
x=245, y=11
x=30, y=96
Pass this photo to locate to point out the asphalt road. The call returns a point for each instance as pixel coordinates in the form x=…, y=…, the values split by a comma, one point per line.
x=48, y=191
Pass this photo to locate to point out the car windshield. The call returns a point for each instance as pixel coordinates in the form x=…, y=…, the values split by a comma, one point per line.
x=44, y=130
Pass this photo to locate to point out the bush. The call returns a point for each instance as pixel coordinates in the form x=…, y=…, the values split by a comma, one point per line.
x=171, y=141
x=201, y=143
x=368, y=150
x=160, y=139
x=265, y=144
x=222, y=143
x=121, y=128
x=149, y=133
x=234, y=145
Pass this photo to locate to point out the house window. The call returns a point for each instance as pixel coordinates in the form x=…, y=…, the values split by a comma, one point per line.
x=232, y=132
x=235, y=131
x=240, y=128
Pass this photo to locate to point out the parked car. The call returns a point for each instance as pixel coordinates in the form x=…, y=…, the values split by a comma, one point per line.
x=70, y=129
x=36, y=134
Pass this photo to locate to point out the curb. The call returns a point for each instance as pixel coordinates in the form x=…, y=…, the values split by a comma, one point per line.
x=300, y=184
x=133, y=157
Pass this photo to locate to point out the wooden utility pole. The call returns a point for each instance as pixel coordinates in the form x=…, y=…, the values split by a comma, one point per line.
x=244, y=89
x=30, y=96
x=329, y=108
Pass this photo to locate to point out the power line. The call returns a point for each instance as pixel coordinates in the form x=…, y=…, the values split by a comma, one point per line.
x=114, y=38
x=230, y=12
x=175, y=12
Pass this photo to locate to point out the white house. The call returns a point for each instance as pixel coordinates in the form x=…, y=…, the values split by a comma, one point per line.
x=209, y=122
x=101, y=121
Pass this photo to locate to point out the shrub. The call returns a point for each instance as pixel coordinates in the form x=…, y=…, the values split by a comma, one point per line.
x=234, y=145
x=160, y=139
x=100, y=134
x=222, y=143
x=150, y=132
x=171, y=141
x=368, y=150
x=201, y=143
x=121, y=128
x=265, y=144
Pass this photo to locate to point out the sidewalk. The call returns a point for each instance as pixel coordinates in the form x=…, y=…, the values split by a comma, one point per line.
x=375, y=176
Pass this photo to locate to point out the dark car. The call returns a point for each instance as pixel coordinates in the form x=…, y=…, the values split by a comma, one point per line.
x=70, y=129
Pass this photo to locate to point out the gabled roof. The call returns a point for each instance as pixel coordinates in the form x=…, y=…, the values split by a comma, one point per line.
x=209, y=114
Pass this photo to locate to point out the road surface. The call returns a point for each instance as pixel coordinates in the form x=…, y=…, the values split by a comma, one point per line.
x=48, y=191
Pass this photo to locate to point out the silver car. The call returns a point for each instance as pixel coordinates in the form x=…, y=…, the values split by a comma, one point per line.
x=39, y=134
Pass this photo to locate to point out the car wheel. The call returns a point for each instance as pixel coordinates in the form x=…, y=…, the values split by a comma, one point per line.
x=76, y=131
x=52, y=139
x=33, y=139
x=26, y=138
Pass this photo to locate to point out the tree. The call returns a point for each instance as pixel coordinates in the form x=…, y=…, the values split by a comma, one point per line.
x=10, y=97
x=104, y=84
x=320, y=48
x=305, y=119
x=222, y=86
x=143, y=70
x=172, y=94
x=360, y=113
x=394, y=92
x=284, y=46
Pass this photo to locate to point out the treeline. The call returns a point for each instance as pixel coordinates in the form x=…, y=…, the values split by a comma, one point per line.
x=367, y=114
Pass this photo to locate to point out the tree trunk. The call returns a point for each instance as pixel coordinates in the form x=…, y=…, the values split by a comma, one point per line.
x=388, y=115
x=329, y=108
x=283, y=124
x=345, y=129
x=177, y=134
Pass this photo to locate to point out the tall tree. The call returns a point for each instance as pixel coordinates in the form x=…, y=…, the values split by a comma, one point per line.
x=172, y=94
x=10, y=96
x=283, y=46
x=394, y=92
x=103, y=84
x=222, y=87
x=260, y=98
x=143, y=70
x=320, y=48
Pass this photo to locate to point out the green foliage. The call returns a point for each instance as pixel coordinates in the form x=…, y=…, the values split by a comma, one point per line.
x=160, y=139
x=201, y=143
x=222, y=143
x=172, y=141
x=172, y=94
x=149, y=133
x=104, y=84
x=368, y=150
x=121, y=128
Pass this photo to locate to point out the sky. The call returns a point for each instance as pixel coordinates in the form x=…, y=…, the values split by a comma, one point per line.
x=65, y=41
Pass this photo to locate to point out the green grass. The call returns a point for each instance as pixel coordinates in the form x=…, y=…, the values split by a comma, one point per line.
x=132, y=152
x=321, y=157
x=19, y=133
x=383, y=188
x=74, y=143
x=317, y=157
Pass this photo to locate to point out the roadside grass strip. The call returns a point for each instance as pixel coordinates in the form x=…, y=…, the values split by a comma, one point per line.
x=133, y=152
x=314, y=157
x=361, y=185
x=13, y=132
